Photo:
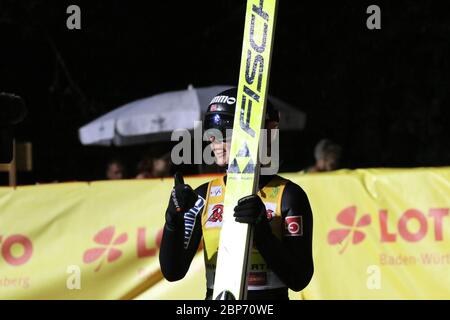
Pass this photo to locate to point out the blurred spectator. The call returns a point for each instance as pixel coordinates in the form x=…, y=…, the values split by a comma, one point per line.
x=115, y=169
x=156, y=167
x=145, y=168
x=161, y=166
x=328, y=156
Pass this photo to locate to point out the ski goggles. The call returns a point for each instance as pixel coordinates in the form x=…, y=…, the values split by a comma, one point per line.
x=219, y=126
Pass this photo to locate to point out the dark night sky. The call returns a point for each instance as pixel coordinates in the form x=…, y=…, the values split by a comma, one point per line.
x=383, y=94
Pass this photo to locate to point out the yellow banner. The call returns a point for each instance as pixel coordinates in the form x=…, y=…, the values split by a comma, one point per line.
x=80, y=240
x=378, y=234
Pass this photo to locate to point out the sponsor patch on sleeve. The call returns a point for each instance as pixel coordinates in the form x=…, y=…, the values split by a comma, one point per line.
x=293, y=226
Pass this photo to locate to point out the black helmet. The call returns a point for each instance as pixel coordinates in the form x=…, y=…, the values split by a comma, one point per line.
x=220, y=112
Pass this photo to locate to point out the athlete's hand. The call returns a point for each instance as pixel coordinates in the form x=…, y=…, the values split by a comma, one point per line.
x=250, y=210
x=182, y=198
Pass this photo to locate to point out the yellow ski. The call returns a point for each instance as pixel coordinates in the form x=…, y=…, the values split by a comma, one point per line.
x=243, y=169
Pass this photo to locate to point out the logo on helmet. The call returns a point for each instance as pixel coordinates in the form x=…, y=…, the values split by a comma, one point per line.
x=223, y=99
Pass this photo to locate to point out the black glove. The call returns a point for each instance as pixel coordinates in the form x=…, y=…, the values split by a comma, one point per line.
x=251, y=210
x=182, y=198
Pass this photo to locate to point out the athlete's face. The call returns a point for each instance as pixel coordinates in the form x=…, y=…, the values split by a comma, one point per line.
x=221, y=151
x=221, y=148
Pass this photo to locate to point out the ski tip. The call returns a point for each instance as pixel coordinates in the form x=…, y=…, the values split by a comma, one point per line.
x=225, y=295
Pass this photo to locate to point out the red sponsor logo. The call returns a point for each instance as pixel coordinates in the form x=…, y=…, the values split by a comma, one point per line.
x=16, y=241
x=294, y=226
x=257, y=278
x=107, y=249
x=351, y=231
x=270, y=214
x=217, y=213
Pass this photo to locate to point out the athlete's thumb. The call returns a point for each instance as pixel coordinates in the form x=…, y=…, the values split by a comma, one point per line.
x=178, y=178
